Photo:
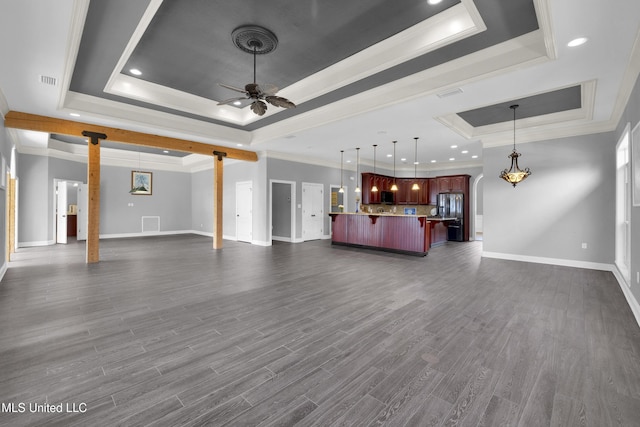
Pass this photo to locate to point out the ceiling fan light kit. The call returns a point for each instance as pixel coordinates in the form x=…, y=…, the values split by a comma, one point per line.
x=256, y=40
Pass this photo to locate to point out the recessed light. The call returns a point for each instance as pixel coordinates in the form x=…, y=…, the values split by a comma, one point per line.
x=452, y=158
x=403, y=159
x=416, y=163
x=237, y=103
x=434, y=2
x=238, y=145
x=454, y=146
x=348, y=161
x=389, y=155
x=74, y=114
x=577, y=42
x=474, y=157
x=464, y=151
x=135, y=72
x=433, y=161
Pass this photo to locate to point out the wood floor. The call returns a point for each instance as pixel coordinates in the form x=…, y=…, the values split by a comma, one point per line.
x=165, y=331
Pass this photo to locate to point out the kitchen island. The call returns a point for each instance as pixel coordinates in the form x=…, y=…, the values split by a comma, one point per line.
x=408, y=234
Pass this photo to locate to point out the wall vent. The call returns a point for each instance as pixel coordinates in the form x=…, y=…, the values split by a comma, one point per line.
x=48, y=80
x=150, y=224
x=448, y=93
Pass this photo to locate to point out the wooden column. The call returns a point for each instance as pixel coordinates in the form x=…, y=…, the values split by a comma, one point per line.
x=93, y=196
x=217, y=198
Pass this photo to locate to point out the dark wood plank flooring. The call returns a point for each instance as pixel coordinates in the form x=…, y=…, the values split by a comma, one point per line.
x=165, y=331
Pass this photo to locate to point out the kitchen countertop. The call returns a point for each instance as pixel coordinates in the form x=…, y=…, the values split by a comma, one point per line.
x=376, y=214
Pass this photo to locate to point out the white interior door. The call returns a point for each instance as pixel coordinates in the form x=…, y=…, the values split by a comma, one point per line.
x=244, y=214
x=312, y=211
x=61, y=213
x=83, y=209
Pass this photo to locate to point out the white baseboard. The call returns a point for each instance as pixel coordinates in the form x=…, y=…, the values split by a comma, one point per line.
x=147, y=233
x=281, y=239
x=552, y=261
x=626, y=290
x=3, y=269
x=631, y=300
x=36, y=243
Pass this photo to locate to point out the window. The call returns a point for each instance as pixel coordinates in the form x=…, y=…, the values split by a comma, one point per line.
x=623, y=207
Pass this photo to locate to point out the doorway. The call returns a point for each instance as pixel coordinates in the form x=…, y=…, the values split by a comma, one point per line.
x=478, y=208
x=312, y=211
x=66, y=210
x=244, y=211
x=283, y=210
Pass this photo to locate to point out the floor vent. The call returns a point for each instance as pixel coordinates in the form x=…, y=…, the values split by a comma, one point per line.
x=150, y=224
x=51, y=81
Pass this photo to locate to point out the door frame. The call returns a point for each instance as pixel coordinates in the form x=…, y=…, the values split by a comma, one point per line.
x=322, y=204
x=54, y=237
x=292, y=186
x=344, y=202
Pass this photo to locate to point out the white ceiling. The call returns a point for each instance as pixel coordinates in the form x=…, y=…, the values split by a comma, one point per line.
x=41, y=37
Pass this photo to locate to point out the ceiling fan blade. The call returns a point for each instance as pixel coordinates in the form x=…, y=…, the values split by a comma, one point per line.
x=269, y=89
x=259, y=107
x=279, y=101
x=237, y=89
x=229, y=101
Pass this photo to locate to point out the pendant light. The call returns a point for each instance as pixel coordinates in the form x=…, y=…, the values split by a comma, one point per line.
x=394, y=187
x=415, y=186
x=374, y=189
x=514, y=175
x=357, y=170
x=341, y=171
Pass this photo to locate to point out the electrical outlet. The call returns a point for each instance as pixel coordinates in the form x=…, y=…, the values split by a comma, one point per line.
x=584, y=246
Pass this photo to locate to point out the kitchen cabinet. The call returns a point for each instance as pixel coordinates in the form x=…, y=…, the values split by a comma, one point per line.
x=453, y=183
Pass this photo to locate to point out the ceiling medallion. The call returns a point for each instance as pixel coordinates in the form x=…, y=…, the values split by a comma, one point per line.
x=254, y=39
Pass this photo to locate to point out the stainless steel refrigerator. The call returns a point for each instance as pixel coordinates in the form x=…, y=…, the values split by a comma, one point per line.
x=451, y=207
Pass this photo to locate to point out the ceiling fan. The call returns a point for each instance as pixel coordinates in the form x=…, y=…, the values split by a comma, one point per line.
x=256, y=40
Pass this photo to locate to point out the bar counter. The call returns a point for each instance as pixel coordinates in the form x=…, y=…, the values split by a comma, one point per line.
x=408, y=234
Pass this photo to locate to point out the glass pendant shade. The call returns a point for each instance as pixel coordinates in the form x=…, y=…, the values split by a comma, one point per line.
x=374, y=189
x=514, y=175
x=394, y=187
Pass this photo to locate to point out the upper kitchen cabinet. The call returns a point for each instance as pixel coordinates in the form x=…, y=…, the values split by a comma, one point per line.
x=453, y=183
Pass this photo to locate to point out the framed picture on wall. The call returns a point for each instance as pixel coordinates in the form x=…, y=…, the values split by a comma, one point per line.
x=635, y=165
x=141, y=184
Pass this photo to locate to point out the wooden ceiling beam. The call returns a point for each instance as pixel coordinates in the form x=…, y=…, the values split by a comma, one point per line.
x=26, y=121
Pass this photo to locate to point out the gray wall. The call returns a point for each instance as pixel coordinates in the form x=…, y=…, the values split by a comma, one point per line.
x=568, y=200
x=171, y=198
x=631, y=115
x=302, y=172
x=34, y=199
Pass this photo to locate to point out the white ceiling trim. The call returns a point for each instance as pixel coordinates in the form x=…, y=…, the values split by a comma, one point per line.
x=498, y=133
x=151, y=121
x=500, y=59
x=76, y=27
x=456, y=23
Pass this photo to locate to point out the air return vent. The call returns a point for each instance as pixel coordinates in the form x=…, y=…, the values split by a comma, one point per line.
x=448, y=93
x=51, y=81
